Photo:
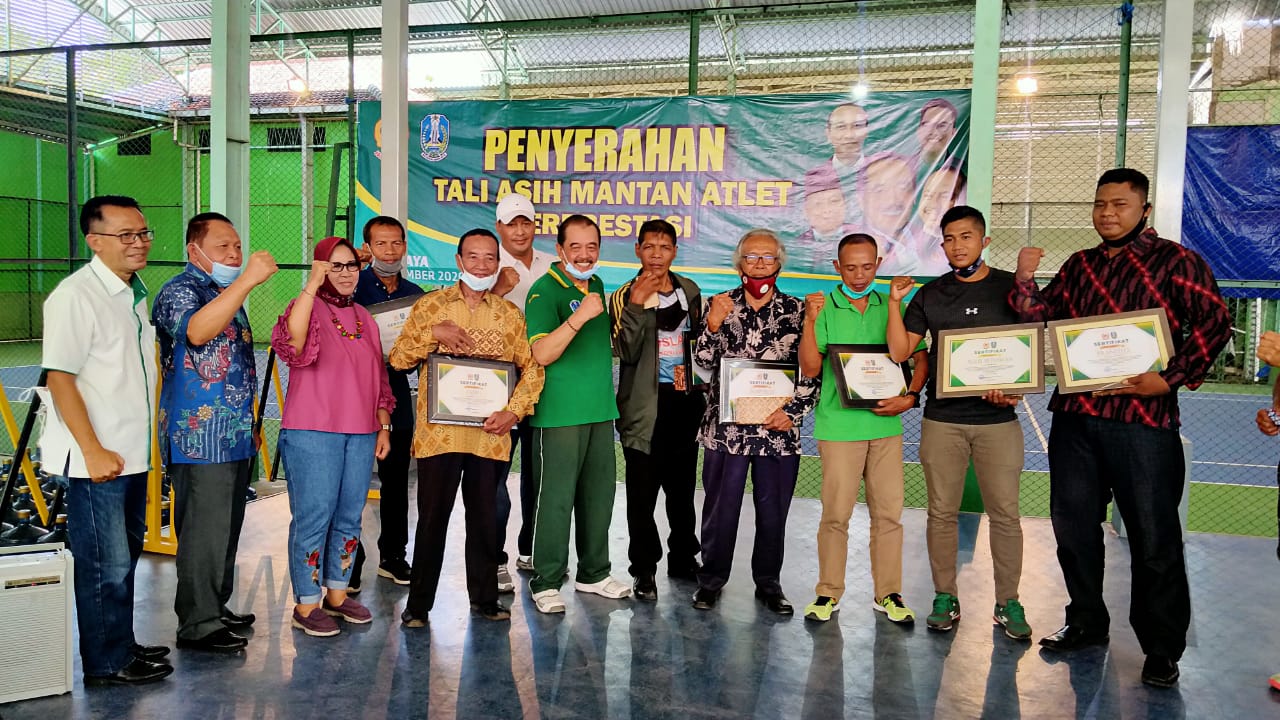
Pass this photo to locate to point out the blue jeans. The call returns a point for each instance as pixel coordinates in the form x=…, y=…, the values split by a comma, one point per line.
x=105, y=524
x=328, y=475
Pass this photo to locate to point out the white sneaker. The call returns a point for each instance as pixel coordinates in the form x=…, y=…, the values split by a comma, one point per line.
x=548, y=601
x=607, y=587
x=524, y=562
x=505, y=585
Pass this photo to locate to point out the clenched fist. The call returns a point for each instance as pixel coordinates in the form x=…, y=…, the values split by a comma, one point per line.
x=592, y=305
x=813, y=304
x=508, y=278
x=1028, y=263
x=1269, y=348
x=319, y=271
x=259, y=267
x=900, y=288
x=721, y=307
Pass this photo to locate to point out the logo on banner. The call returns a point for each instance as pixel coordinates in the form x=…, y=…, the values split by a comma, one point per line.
x=435, y=137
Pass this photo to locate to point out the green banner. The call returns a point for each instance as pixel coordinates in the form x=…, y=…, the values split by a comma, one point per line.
x=812, y=168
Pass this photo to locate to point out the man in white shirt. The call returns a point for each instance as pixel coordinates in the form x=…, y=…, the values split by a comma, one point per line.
x=521, y=263
x=100, y=354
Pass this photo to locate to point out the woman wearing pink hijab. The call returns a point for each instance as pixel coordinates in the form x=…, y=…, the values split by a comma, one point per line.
x=337, y=416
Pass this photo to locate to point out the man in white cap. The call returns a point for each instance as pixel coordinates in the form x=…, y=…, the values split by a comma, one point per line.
x=520, y=264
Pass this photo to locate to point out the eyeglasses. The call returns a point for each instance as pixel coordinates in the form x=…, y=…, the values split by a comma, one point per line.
x=128, y=238
x=846, y=127
x=757, y=259
x=353, y=266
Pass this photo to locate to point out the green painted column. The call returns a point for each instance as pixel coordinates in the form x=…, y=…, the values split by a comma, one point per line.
x=988, y=18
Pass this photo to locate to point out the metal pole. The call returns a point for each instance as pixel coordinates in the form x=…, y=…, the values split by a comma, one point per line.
x=351, y=136
x=695, y=23
x=73, y=205
x=1122, y=103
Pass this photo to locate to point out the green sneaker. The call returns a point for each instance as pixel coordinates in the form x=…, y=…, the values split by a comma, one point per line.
x=946, y=610
x=821, y=609
x=897, y=611
x=1014, y=619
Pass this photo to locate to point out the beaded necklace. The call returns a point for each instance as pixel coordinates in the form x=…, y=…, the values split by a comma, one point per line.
x=343, y=331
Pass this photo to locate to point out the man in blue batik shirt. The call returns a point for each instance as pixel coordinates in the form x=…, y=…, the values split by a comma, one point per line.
x=206, y=419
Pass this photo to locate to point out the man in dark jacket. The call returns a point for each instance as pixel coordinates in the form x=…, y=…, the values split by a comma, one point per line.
x=659, y=406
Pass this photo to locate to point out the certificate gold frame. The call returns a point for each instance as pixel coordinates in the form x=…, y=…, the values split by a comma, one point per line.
x=483, y=373
x=840, y=354
x=969, y=360
x=754, y=409
x=1114, y=347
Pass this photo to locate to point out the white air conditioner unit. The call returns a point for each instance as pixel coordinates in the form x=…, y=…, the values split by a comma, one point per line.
x=36, y=602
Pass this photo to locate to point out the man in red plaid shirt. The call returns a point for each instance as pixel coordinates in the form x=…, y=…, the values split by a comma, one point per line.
x=1124, y=442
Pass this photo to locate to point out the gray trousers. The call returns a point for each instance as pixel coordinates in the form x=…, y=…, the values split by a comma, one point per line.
x=209, y=514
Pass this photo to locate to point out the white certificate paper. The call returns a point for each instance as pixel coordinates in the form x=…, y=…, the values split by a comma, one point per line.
x=390, y=317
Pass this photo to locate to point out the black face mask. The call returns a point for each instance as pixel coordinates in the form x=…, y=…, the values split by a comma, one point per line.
x=671, y=317
x=1132, y=234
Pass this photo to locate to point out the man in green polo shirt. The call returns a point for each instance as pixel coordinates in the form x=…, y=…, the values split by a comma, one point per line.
x=573, y=461
x=857, y=444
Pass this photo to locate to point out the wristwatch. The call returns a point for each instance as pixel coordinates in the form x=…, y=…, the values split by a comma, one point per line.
x=386, y=427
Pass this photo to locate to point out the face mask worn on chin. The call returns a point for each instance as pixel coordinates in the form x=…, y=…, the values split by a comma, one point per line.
x=967, y=272
x=580, y=274
x=478, y=284
x=857, y=295
x=221, y=274
x=386, y=269
x=1131, y=235
x=758, y=287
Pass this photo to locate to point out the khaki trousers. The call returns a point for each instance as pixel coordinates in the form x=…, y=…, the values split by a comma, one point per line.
x=845, y=464
x=996, y=451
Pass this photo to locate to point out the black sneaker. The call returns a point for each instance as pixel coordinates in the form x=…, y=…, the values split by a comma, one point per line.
x=1160, y=671
x=397, y=571
x=646, y=588
x=705, y=599
x=491, y=611
x=409, y=620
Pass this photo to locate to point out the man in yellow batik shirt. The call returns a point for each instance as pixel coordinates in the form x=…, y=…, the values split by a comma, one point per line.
x=464, y=320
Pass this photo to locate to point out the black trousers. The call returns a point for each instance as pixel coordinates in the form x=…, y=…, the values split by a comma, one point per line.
x=438, y=479
x=210, y=501
x=393, y=505
x=671, y=465
x=1090, y=461
x=522, y=442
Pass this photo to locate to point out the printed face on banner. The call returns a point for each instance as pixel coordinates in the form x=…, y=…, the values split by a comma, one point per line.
x=811, y=168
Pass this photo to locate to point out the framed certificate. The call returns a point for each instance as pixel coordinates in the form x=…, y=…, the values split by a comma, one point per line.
x=751, y=390
x=465, y=390
x=390, y=317
x=1099, y=352
x=974, y=361
x=865, y=374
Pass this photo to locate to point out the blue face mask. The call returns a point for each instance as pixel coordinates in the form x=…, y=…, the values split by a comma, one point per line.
x=857, y=295
x=221, y=274
x=580, y=274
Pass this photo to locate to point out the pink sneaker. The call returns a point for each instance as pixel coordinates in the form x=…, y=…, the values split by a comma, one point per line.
x=317, y=623
x=349, y=610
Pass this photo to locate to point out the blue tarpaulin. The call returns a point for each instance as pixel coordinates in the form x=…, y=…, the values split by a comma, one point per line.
x=1231, y=204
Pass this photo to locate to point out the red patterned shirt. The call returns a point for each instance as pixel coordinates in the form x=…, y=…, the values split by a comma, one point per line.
x=1147, y=273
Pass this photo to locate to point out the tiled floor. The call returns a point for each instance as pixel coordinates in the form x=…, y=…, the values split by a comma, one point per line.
x=623, y=659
